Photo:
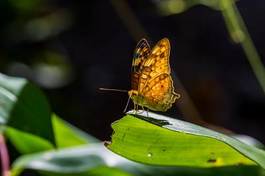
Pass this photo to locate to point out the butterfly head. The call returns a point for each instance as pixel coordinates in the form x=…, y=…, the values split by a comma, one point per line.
x=133, y=93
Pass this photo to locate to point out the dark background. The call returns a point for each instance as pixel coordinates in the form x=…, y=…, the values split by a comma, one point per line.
x=71, y=48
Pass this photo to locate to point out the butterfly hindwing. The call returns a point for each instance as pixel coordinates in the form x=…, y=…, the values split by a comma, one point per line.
x=159, y=92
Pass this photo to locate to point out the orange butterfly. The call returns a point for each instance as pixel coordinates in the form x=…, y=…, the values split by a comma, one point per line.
x=152, y=85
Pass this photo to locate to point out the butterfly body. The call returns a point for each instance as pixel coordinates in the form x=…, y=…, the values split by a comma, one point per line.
x=152, y=85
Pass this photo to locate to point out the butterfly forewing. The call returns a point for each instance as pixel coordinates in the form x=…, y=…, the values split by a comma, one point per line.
x=142, y=51
x=157, y=63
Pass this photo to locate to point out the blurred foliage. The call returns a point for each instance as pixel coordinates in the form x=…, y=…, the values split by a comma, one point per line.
x=30, y=143
x=169, y=7
x=30, y=23
x=24, y=107
x=67, y=135
x=26, y=5
x=79, y=153
x=30, y=48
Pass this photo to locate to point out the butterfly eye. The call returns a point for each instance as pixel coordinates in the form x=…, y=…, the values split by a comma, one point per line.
x=133, y=93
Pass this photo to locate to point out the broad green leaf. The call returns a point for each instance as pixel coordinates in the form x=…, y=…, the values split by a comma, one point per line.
x=67, y=135
x=24, y=107
x=26, y=142
x=159, y=140
x=97, y=160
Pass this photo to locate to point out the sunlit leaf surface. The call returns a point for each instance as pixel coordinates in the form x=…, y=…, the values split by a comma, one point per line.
x=160, y=140
x=97, y=160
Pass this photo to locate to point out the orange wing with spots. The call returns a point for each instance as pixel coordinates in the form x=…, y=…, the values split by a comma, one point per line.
x=155, y=83
x=142, y=51
x=159, y=93
x=156, y=63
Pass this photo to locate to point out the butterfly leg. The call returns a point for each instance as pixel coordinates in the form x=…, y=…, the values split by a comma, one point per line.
x=143, y=110
x=135, y=108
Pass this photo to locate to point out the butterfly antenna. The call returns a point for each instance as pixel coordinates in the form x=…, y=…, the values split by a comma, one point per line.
x=127, y=104
x=113, y=90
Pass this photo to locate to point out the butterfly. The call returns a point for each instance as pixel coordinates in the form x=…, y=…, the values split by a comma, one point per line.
x=152, y=85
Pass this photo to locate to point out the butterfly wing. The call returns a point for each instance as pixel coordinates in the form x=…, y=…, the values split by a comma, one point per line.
x=141, y=53
x=157, y=63
x=159, y=93
x=155, y=82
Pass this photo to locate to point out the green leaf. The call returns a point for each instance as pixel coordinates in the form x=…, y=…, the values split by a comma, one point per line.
x=26, y=142
x=24, y=107
x=97, y=160
x=67, y=135
x=159, y=140
x=70, y=160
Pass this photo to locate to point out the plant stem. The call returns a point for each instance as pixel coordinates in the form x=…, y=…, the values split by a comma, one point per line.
x=4, y=156
x=239, y=33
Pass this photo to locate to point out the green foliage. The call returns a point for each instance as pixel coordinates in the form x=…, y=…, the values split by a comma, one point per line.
x=24, y=107
x=62, y=161
x=159, y=140
x=97, y=160
x=169, y=7
x=52, y=146
x=26, y=142
x=25, y=5
x=66, y=135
